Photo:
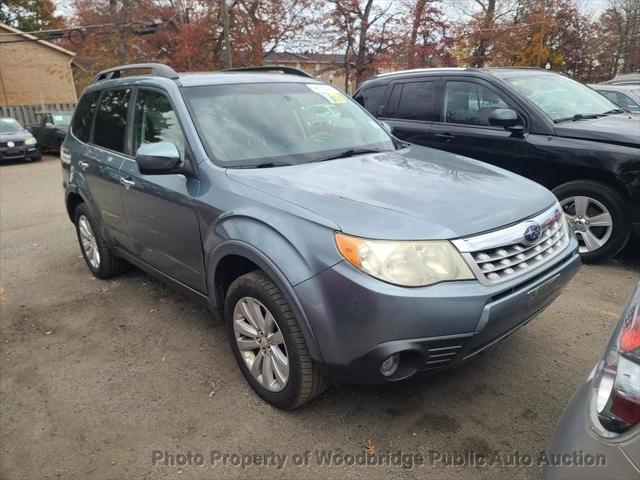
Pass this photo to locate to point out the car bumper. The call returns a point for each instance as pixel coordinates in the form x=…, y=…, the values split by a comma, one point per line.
x=358, y=321
x=19, y=153
x=575, y=451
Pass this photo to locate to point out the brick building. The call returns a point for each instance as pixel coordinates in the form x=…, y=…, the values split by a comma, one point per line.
x=34, y=72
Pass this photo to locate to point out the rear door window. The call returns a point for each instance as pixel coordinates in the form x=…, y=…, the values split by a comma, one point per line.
x=81, y=126
x=394, y=99
x=111, y=120
x=417, y=101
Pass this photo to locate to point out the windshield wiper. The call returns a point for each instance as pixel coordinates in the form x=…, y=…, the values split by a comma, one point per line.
x=263, y=165
x=348, y=153
x=615, y=110
x=578, y=116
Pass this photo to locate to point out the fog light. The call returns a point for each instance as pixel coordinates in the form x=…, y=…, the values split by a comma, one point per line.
x=390, y=365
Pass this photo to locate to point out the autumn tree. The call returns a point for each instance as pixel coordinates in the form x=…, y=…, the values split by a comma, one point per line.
x=620, y=30
x=30, y=15
x=427, y=42
x=483, y=26
x=364, y=30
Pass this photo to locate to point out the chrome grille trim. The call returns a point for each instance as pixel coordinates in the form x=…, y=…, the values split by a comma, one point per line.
x=502, y=255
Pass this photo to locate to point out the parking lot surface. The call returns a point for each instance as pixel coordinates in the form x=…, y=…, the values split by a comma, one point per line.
x=119, y=379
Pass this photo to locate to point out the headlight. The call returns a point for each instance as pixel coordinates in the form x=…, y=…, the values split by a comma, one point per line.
x=30, y=141
x=406, y=263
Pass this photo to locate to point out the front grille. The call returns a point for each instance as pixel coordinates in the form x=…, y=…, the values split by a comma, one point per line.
x=17, y=143
x=504, y=254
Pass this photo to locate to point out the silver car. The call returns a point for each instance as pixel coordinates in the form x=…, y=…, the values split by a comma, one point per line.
x=625, y=96
x=598, y=435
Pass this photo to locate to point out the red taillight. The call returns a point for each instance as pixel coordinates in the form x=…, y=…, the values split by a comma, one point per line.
x=630, y=335
x=617, y=381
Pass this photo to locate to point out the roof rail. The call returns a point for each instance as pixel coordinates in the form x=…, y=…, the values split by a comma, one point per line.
x=157, y=69
x=270, y=68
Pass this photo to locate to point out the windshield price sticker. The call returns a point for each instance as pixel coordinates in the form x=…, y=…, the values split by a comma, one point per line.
x=330, y=93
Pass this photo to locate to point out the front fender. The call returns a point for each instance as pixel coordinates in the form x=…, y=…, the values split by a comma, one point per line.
x=266, y=264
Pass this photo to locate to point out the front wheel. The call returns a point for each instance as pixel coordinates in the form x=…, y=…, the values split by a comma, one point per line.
x=268, y=343
x=598, y=216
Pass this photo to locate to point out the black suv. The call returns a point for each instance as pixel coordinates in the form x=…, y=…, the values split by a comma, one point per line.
x=540, y=124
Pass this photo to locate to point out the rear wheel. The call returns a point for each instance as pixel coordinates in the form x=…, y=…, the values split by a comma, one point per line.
x=97, y=255
x=598, y=216
x=268, y=343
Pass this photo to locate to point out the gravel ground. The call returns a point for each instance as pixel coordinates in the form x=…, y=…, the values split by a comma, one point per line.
x=99, y=378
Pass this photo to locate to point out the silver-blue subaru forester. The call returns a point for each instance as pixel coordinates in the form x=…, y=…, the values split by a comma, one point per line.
x=331, y=249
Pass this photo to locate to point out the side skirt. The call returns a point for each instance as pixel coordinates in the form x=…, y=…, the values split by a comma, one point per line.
x=163, y=277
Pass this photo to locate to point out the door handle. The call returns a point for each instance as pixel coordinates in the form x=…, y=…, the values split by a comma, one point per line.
x=83, y=165
x=446, y=136
x=127, y=183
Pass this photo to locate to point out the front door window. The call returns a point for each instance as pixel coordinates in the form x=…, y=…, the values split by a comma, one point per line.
x=470, y=103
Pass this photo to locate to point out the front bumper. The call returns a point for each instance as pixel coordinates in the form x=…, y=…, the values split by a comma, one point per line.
x=19, y=152
x=358, y=321
x=575, y=451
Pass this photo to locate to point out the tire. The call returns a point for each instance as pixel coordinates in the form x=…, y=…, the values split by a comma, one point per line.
x=601, y=199
x=305, y=381
x=108, y=265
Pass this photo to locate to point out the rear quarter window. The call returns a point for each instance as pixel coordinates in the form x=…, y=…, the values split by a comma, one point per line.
x=81, y=125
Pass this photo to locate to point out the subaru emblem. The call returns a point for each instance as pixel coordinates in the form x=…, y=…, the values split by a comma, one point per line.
x=532, y=234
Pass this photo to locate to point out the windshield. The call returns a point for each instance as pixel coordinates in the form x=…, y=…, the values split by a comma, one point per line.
x=9, y=125
x=281, y=123
x=562, y=98
x=62, y=119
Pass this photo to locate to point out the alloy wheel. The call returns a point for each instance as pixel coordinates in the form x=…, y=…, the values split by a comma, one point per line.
x=590, y=220
x=261, y=343
x=88, y=241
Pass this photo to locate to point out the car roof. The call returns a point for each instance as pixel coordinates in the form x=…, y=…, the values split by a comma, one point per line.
x=501, y=72
x=193, y=79
x=620, y=88
x=226, y=78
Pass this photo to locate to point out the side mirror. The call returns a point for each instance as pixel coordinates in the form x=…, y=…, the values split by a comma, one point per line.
x=158, y=158
x=506, y=118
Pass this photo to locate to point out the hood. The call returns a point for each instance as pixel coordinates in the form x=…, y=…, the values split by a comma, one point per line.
x=413, y=193
x=15, y=136
x=622, y=129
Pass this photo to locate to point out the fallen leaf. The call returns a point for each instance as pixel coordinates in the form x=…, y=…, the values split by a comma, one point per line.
x=370, y=447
